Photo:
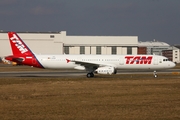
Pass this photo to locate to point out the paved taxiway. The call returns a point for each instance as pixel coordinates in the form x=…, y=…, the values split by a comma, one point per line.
x=72, y=73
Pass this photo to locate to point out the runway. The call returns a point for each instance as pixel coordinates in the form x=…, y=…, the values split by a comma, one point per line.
x=41, y=74
x=74, y=73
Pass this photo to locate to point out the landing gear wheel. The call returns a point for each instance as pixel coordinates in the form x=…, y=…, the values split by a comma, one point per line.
x=155, y=74
x=90, y=75
x=115, y=71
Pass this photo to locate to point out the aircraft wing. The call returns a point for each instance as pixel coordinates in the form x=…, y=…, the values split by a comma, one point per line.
x=86, y=64
x=90, y=66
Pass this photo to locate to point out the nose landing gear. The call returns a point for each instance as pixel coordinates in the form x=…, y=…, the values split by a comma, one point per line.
x=155, y=74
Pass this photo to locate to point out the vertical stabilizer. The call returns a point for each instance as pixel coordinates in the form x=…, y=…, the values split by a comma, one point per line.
x=18, y=46
x=21, y=53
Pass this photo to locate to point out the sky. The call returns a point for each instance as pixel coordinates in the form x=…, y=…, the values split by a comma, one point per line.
x=147, y=19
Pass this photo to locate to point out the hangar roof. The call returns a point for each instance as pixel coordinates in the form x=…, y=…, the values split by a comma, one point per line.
x=177, y=45
x=48, y=32
x=153, y=43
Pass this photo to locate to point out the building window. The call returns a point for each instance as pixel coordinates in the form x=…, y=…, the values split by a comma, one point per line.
x=82, y=49
x=51, y=36
x=129, y=50
x=113, y=50
x=98, y=49
x=66, y=49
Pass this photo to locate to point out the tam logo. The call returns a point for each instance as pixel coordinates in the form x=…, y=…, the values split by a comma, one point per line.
x=18, y=44
x=138, y=59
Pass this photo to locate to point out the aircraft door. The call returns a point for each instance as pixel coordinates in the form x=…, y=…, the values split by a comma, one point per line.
x=121, y=61
x=155, y=61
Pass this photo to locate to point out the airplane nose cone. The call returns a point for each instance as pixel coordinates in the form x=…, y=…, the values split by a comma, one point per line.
x=173, y=64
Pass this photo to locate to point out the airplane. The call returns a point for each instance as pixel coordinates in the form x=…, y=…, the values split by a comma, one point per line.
x=100, y=64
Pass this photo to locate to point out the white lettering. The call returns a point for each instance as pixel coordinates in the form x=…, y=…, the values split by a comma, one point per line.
x=18, y=44
x=14, y=37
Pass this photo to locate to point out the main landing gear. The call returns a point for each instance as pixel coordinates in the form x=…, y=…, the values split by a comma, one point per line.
x=90, y=75
x=155, y=74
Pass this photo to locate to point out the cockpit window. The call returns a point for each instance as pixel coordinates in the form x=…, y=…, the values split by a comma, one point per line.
x=165, y=59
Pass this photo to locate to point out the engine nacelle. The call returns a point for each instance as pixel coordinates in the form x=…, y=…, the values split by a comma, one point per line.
x=105, y=70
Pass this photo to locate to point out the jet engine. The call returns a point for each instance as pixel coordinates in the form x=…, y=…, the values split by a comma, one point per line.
x=106, y=70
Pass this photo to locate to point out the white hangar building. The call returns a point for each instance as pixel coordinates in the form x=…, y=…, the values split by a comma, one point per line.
x=60, y=43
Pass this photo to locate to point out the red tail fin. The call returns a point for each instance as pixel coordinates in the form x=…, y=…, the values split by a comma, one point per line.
x=18, y=46
x=21, y=53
